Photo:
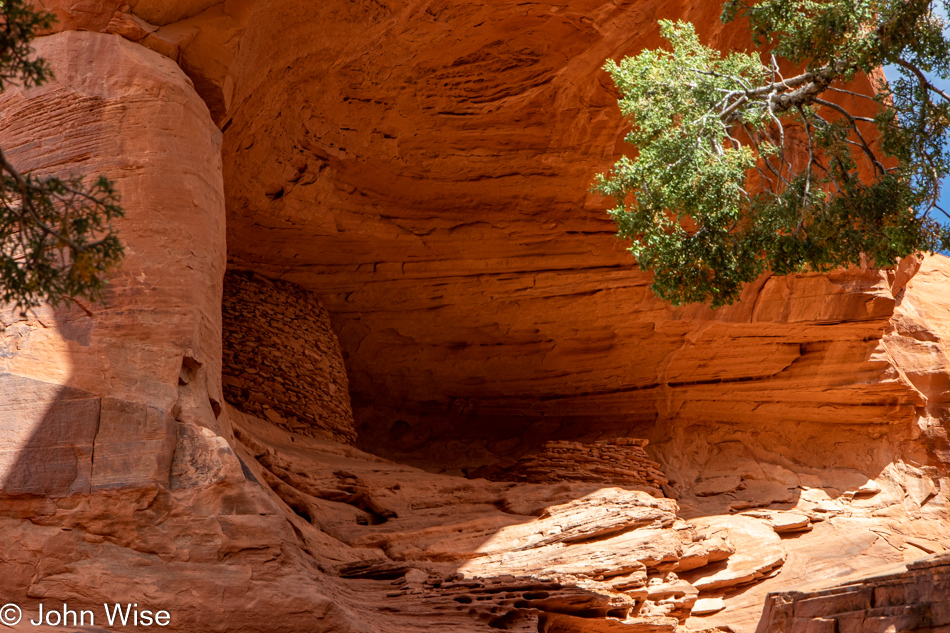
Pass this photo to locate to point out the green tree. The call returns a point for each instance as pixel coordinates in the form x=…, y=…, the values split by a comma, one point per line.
x=56, y=239
x=741, y=168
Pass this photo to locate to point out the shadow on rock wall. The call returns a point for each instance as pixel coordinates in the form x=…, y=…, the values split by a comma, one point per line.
x=473, y=553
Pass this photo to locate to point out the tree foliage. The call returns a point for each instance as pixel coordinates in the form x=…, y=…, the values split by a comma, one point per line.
x=56, y=239
x=742, y=168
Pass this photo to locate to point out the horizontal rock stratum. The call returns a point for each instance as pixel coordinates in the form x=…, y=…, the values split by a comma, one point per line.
x=412, y=177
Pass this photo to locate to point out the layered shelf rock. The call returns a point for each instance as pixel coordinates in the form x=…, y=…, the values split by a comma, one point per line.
x=562, y=556
x=433, y=187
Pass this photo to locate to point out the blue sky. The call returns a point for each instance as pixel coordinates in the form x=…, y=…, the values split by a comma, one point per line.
x=893, y=71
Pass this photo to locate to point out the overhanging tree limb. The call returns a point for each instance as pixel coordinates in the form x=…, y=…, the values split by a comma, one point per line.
x=56, y=238
x=775, y=183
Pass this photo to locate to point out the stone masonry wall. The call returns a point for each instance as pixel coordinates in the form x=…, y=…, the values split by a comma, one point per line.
x=282, y=362
x=621, y=461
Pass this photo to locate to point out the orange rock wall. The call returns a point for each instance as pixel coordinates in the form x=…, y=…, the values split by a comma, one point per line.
x=424, y=166
x=433, y=188
x=119, y=109
x=117, y=479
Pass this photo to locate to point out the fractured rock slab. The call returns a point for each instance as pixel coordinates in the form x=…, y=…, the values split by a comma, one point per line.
x=759, y=551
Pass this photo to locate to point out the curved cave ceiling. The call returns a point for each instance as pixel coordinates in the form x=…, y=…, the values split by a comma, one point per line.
x=425, y=167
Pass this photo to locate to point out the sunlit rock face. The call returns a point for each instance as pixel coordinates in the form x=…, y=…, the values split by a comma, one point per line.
x=424, y=168
x=116, y=108
x=117, y=482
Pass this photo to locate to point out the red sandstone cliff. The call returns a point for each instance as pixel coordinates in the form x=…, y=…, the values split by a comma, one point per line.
x=422, y=167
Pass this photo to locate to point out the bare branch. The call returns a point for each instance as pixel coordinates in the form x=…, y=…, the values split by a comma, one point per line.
x=921, y=78
x=852, y=119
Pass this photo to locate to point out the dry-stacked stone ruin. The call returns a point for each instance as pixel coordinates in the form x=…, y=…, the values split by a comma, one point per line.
x=282, y=361
x=618, y=461
x=910, y=598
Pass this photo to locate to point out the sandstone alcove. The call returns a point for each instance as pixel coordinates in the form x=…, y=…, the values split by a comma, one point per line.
x=419, y=288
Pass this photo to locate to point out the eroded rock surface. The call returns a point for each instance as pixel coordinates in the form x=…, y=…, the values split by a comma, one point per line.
x=116, y=380
x=424, y=168
x=428, y=173
x=466, y=555
x=117, y=481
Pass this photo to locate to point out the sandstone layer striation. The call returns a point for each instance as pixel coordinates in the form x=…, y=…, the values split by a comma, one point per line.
x=620, y=460
x=423, y=168
x=433, y=187
x=117, y=481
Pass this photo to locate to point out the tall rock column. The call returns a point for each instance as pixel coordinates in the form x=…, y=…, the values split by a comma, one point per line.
x=93, y=393
x=117, y=480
